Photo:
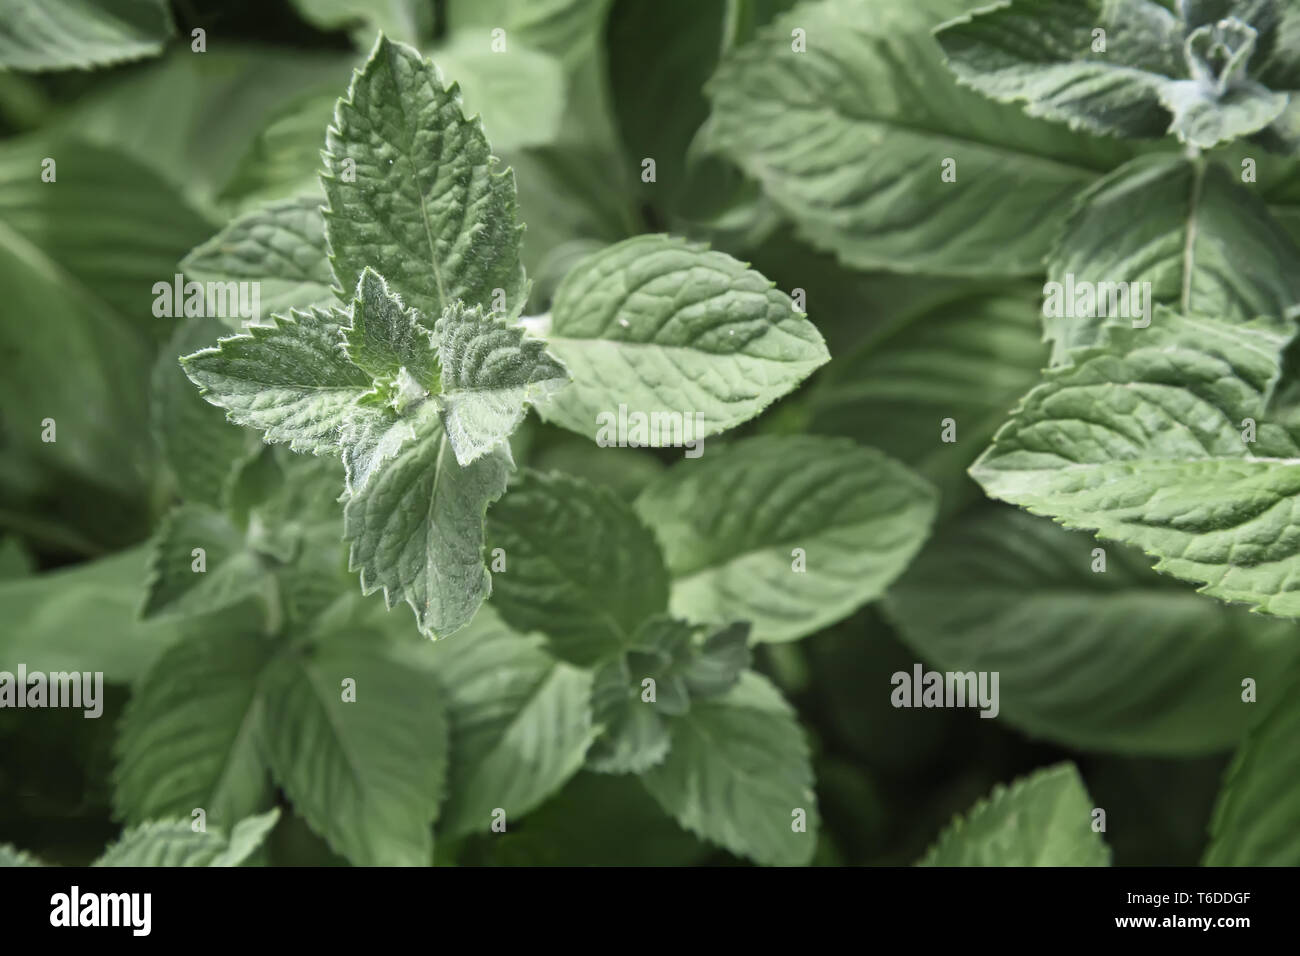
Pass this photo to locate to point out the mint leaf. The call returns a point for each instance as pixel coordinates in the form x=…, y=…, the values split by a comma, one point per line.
x=1142, y=440
x=280, y=246
x=168, y=843
x=1255, y=818
x=189, y=737
x=230, y=571
x=422, y=198
x=634, y=735
x=291, y=380
x=790, y=533
x=384, y=337
x=738, y=772
x=1149, y=72
x=490, y=374
x=1206, y=244
x=580, y=566
x=367, y=774
x=1040, y=53
x=635, y=732
x=1112, y=657
x=662, y=326
x=66, y=34
x=855, y=158
x=520, y=724
x=1044, y=819
x=416, y=523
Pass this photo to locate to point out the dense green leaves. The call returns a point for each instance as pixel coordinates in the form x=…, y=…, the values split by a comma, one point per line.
x=658, y=327
x=738, y=775
x=1151, y=440
x=1092, y=648
x=855, y=156
x=790, y=533
x=1255, y=821
x=1041, y=820
x=413, y=190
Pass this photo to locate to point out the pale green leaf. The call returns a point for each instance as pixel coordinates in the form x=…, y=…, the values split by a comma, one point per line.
x=426, y=202
x=416, y=524
x=580, y=566
x=291, y=380
x=1042, y=820
x=668, y=328
x=367, y=774
x=850, y=139
x=174, y=843
x=737, y=773
x=1108, y=657
x=66, y=34
x=279, y=246
x=491, y=373
x=790, y=533
x=188, y=739
x=1144, y=441
x=520, y=724
x=1257, y=818
x=1205, y=243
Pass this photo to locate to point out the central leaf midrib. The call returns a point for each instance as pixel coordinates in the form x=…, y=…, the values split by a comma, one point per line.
x=409, y=159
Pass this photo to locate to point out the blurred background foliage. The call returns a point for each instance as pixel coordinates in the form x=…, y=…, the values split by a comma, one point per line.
x=154, y=156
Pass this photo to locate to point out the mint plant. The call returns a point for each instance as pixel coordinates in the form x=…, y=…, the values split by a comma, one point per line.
x=502, y=310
